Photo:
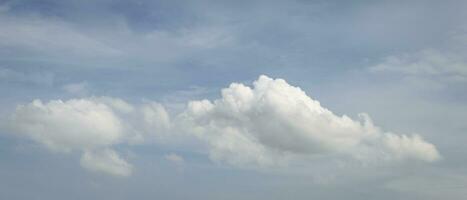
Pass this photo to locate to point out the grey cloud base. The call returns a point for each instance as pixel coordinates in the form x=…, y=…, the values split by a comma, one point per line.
x=270, y=124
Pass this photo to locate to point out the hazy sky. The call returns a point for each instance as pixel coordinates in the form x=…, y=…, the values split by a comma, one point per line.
x=115, y=99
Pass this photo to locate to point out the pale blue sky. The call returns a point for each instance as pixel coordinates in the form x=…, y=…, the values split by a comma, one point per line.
x=402, y=62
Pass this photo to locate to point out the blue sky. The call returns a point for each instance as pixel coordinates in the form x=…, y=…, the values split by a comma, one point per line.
x=166, y=99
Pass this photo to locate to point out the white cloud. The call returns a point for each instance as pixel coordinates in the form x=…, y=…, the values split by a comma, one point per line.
x=175, y=158
x=87, y=125
x=274, y=122
x=107, y=161
x=66, y=125
x=79, y=89
x=155, y=117
x=269, y=124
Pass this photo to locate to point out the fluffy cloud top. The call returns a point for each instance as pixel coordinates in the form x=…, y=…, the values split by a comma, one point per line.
x=273, y=122
x=74, y=124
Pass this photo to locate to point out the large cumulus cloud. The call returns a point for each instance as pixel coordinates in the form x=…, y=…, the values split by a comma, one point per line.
x=273, y=122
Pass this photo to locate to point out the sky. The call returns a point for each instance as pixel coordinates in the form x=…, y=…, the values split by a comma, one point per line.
x=114, y=99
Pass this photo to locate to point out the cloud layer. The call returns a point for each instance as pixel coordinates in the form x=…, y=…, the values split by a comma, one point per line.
x=269, y=124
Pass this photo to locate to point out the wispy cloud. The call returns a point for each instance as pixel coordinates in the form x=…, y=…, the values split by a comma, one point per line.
x=429, y=63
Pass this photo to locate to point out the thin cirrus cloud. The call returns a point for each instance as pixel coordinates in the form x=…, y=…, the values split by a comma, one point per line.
x=49, y=37
x=439, y=65
x=269, y=124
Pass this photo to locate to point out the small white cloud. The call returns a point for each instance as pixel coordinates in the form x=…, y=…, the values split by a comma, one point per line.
x=78, y=89
x=106, y=161
x=66, y=125
x=175, y=158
